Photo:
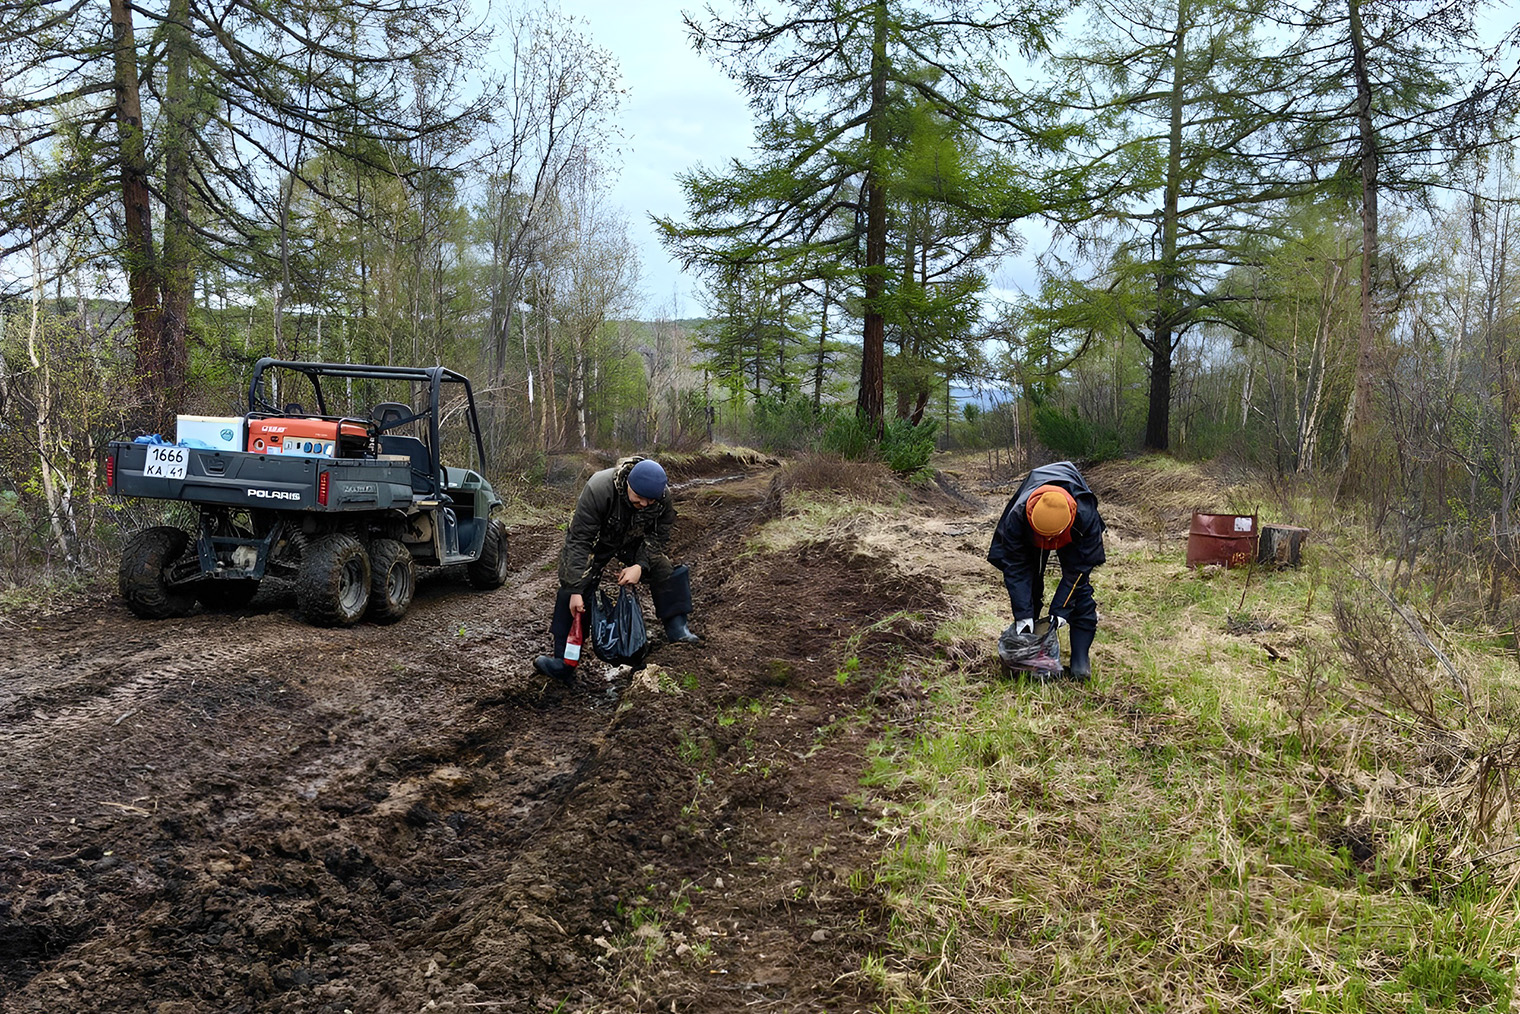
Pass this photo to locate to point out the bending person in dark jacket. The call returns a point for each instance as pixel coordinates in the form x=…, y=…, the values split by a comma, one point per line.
x=623, y=512
x=1053, y=510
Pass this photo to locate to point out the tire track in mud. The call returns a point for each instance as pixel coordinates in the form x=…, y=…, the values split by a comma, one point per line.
x=79, y=677
x=99, y=685
x=389, y=817
x=218, y=755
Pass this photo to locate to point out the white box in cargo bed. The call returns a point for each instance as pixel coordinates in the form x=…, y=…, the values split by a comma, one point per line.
x=217, y=432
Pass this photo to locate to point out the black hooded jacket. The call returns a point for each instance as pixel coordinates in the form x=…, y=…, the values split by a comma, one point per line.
x=1022, y=562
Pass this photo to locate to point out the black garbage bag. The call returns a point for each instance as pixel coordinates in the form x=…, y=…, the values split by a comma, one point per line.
x=1037, y=652
x=617, y=628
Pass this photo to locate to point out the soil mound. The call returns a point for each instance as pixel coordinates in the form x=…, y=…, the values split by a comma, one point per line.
x=1155, y=497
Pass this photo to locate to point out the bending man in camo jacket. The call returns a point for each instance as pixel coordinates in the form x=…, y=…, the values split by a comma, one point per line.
x=623, y=512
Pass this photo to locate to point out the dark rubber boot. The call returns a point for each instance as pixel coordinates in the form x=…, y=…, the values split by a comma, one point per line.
x=1081, y=666
x=554, y=668
x=672, y=597
x=677, y=632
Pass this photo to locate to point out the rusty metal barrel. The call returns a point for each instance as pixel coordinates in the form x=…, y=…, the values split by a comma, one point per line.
x=1228, y=540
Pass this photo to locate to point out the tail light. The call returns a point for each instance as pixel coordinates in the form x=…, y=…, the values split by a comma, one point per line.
x=111, y=472
x=322, y=489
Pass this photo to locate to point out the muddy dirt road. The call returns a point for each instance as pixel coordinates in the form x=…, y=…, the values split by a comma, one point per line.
x=238, y=812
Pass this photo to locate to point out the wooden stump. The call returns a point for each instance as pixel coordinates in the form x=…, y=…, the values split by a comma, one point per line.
x=1281, y=545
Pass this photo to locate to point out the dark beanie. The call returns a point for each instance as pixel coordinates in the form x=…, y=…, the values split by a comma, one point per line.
x=647, y=479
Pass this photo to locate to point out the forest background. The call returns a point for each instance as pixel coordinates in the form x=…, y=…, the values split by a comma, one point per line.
x=1279, y=238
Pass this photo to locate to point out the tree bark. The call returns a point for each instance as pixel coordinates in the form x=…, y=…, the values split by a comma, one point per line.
x=1356, y=455
x=176, y=275
x=870, y=402
x=137, y=220
x=1158, y=418
x=57, y=492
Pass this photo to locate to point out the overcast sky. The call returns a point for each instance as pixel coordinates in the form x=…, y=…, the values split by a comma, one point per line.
x=681, y=111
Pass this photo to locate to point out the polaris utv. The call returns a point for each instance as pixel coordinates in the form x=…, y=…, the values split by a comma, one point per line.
x=347, y=505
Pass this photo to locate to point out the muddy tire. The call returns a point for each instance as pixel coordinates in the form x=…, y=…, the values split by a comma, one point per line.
x=332, y=587
x=225, y=596
x=392, y=580
x=490, y=571
x=144, y=560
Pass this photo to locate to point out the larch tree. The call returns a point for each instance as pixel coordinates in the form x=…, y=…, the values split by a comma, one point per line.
x=1396, y=97
x=188, y=103
x=1170, y=104
x=826, y=78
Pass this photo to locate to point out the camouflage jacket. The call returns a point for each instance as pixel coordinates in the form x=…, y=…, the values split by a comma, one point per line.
x=606, y=524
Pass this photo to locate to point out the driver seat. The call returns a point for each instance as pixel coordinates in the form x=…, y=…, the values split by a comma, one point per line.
x=392, y=413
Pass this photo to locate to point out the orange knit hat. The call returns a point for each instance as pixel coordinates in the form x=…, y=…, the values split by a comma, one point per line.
x=1051, y=511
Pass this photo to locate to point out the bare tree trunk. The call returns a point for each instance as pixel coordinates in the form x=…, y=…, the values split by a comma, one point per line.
x=1246, y=389
x=1158, y=413
x=552, y=434
x=56, y=489
x=578, y=388
x=1357, y=452
x=527, y=369
x=1319, y=367
x=176, y=275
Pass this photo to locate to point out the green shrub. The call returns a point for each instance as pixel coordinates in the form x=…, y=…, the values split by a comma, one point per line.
x=846, y=434
x=906, y=448
x=1073, y=437
x=784, y=423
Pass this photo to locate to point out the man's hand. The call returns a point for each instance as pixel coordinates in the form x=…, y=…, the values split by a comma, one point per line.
x=630, y=575
x=1024, y=626
x=577, y=605
x=1059, y=621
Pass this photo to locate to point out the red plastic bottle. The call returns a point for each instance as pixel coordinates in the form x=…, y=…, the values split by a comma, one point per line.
x=574, y=640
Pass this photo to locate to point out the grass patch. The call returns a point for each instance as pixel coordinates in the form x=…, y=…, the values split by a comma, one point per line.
x=1237, y=814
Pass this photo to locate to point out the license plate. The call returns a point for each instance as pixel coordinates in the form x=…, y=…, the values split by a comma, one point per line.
x=166, y=462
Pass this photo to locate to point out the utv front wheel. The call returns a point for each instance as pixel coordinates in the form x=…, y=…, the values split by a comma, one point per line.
x=145, y=560
x=490, y=571
x=332, y=587
x=392, y=581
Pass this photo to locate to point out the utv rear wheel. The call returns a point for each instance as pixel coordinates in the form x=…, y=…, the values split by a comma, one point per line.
x=145, y=561
x=490, y=571
x=392, y=580
x=332, y=588
x=226, y=595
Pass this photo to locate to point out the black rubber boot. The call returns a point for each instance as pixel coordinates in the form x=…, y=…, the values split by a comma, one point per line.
x=554, y=668
x=677, y=632
x=1081, y=666
x=672, y=604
